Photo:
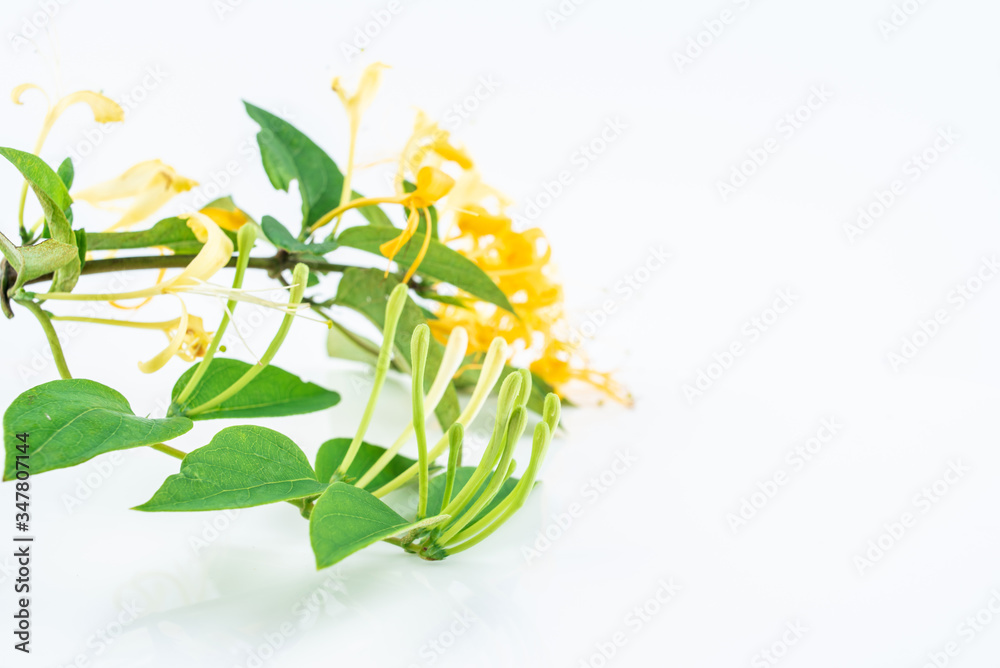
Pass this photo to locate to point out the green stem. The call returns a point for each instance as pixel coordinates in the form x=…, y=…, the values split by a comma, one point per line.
x=393, y=309
x=455, y=436
x=272, y=264
x=299, y=277
x=419, y=343
x=246, y=240
x=51, y=336
x=167, y=450
x=488, y=376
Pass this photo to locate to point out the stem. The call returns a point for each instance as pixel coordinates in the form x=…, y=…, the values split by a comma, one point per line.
x=294, y=298
x=418, y=356
x=454, y=352
x=167, y=450
x=51, y=336
x=492, y=367
x=393, y=310
x=272, y=264
x=246, y=241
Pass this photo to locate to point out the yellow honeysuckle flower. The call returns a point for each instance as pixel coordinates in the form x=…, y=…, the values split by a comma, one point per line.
x=104, y=109
x=428, y=145
x=432, y=184
x=149, y=185
x=519, y=263
x=355, y=105
x=186, y=335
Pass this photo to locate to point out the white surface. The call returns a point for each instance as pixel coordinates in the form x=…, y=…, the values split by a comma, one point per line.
x=665, y=517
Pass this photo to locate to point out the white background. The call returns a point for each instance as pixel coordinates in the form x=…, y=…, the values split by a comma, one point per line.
x=667, y=515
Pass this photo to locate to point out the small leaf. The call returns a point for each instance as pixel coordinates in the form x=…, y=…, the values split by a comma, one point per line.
x=274, y=392
x=440, y=263
x=279, y=235
x=332, y=453
x=65, y=172
x=241, y=467
x=435, y=492
x=288, y=155
x=71, y=421
x=55, y=200
x=347, y=519
x=367, y=292
x=33, y=261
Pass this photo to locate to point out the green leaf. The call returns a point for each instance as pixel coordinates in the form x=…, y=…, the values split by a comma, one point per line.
x=65, y=277
x=288, y=155
x=367, y=292
x=33, y=261
x=71, y=421
x=435, y=492
x=274, y=392
x=440, y=263
x=65, y=172
x=55, y=200
x=40, y=175
x=332, y=453
x=347, y=519
x=241, y=467
x=279, y=235
x=172, y=232
x=81, y=245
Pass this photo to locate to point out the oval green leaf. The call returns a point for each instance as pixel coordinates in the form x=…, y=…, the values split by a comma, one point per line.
x=71, y=421
x=241, y=467
x=274, y=392
x=347, y=519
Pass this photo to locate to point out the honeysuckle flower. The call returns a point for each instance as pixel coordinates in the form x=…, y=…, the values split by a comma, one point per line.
x=104, y=109
x=432, y=184
x=148, y=186
x=428, y=146
x=519, y=262
x=186, y=336
x=355, y=105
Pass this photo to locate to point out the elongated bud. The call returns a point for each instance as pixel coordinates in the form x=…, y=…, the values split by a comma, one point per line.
x=525, y=392
x=551, y=411
x=419, y=343
x=515, y=426
x=300, y=276
x=508, y=395
x=246, y=237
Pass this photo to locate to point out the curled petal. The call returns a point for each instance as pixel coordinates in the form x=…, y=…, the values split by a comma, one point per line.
x=432, y=185
x=213, y=256
x=104, y=109
x=15, y=95
x=161, y=358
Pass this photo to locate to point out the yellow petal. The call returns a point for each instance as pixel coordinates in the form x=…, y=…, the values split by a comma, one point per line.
x=104, y=109
x=176, y=340
x=432, y=185
x=213, y=256
x=15, y=95
x=227, y=220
